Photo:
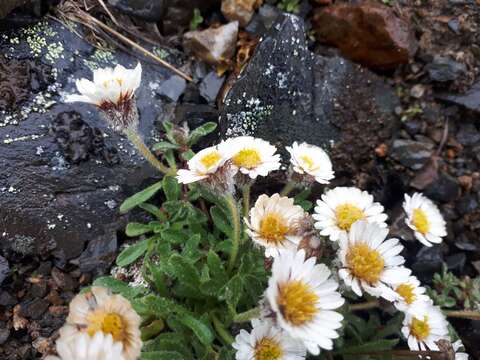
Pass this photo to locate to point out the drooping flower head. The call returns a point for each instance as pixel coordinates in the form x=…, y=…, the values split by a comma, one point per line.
x=340, y=207
x=424, y=218
x=272, y=223
x=312, y=161
x=423, y=326
x=267, y=342
x=212, y=167
x=75, y=345
x=459, y=355
x=410, y=294
x=253, y=157
x=113, y=92
x=369, y=262
x=100, y=311
x=302, y=296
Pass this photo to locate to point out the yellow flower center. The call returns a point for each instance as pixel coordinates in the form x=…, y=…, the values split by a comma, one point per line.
x=211, y=159
x=347, y=214
x=420, y=221
x=297, y=302
x=365, y=263
x=420, y=328
x=273, y=228
x=247, y=158
x=108, y=323
x=406, y=292
x=268, y=349
x=308, y=163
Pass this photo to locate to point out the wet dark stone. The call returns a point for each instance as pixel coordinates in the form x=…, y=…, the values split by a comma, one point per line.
x=263, y=19
x=4, y=334
x=38, y=290
x=470, y=100
x=468, y=135
x=412, y=154
x=172, y=88
x=456, y=262
x=148, y=10
x=45, y=268
x=428, y=261
x=444, y=69
x=466, y=204
x=464, y=244
x=4, y=269
x=288, y=94
x=179, y=13
x=35, y=309
x=49, y=204
x=99, y=255
x=210, y=86
x=413, y=127
x=444, y=189
x=6, y=299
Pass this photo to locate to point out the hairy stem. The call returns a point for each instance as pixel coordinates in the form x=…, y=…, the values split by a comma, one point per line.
x=220, y=329
x=247, y=315
x=289, y=187
x=246, y=199
x=364, y=306
x=237, y=229
x=137, y=141
x=463, y=314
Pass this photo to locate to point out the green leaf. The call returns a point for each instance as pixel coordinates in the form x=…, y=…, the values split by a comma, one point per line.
x=232, y=291
x=221, y=220
x=171, y=188
x=177, y=237
x=202, y=331
x=118, y=287
x=136, y=229
x=162, y=355
x=169, y=341
x=215, y=266
x=184, y=271
x=132, y=253
x=140, y=197
x=197, y=19
x=164, y=146
x=377, y=345
x=200, y=132
x=155, y=211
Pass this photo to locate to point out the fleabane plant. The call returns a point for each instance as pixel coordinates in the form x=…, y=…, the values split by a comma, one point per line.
x=229, y=268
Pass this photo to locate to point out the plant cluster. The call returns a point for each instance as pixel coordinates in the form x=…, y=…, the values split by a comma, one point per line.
x=224, y=277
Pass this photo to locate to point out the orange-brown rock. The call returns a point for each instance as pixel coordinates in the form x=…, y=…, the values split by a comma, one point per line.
x=369, y=33
x=240, y=10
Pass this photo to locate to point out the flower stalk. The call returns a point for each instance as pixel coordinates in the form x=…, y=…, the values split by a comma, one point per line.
x=237, y=229
x=247, y=315
x=289, y=187
x=220, y=329
x=137, y=141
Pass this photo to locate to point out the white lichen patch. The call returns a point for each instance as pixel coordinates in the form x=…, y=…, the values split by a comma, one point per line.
x=9, y=140
x=99, y=59
x=244, y=122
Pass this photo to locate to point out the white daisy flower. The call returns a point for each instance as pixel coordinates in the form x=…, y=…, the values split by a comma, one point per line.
x=100, y=311
x=267, y=342
x=253, y=157
x=410, y=294
x=459, y=355
x=424, y=218
x=341, y=207
x=302, y=295
x=423, y=326
x=311, y=160
x=112, y=91
x=369, y=262
x=81, y=346
x=204, y=164
x=272, y=223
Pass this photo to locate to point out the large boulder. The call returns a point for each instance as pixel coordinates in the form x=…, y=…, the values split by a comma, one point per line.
x=64, y=172
x=286, y=93
x=6, y=6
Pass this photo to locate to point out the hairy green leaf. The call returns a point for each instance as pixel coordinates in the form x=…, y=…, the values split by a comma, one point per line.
x=132, y=253
x=201, y=330
x=200, y=132
x=171, y=188
x=136, y=229
x=140, y=197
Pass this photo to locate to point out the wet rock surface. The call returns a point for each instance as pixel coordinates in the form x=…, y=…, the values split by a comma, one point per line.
x=368, y=32
x=64, y=173
x=286, y=93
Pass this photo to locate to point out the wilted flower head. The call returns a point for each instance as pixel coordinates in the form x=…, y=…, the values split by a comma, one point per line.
x=341, y=207
x=253, y=157
x=113, y=92
x=424, y=326
x=303, y=296
x=74, y=345
x=312, y=161
x=424, y=218
x=101, y=311
x=369, y=262
x=267, y=342
x=272, y=223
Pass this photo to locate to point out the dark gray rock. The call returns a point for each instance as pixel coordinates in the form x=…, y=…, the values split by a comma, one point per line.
x=99, y=255
x=428, y=260
x=6, y=6
x=4, y=269
x=466, y=204
x=149, y=10
x=172, y=88
x=263, y=19
x=59, y=189
x=469, y=100
x=210, y=86
x=36, y=308
x=468, y=135
x=288, y=94
x=444, y=69
x=4, y=334
x=444, y=188
x=412, y=154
